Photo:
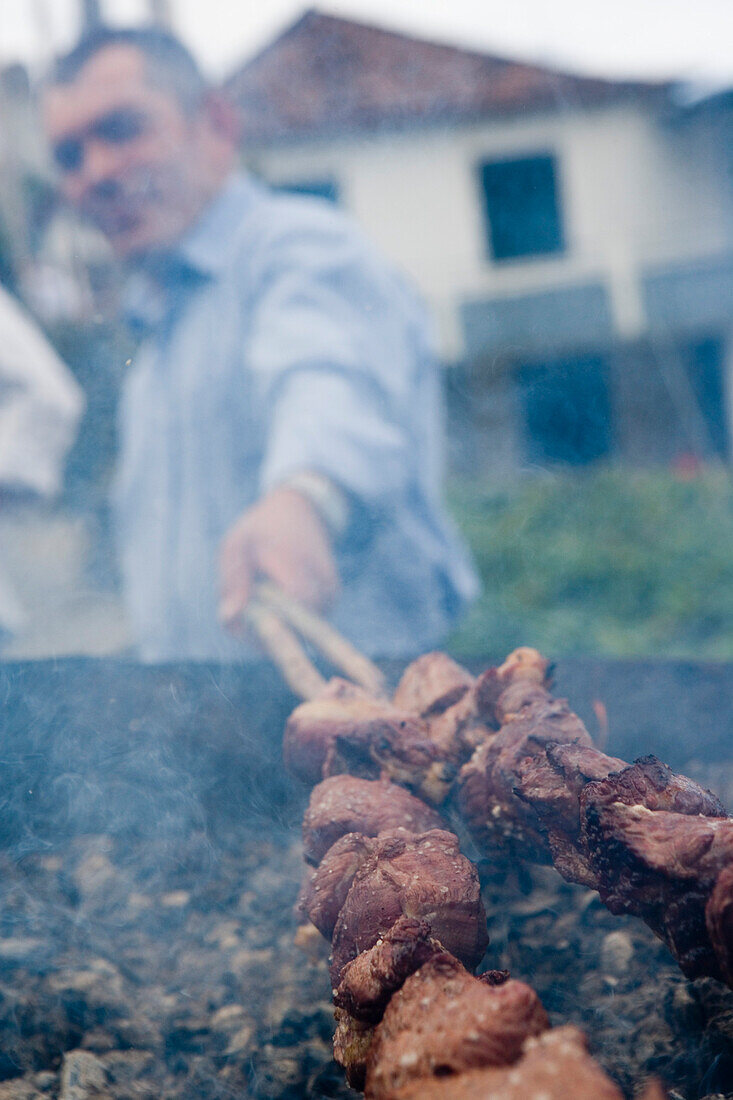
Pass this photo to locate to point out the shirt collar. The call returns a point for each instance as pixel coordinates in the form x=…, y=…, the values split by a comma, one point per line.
x=207, y=246
x=202, y=253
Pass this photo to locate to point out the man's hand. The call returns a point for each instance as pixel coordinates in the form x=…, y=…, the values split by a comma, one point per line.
x=283, y=538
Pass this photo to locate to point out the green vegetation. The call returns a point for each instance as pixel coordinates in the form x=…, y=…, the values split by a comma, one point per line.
x=610, y=562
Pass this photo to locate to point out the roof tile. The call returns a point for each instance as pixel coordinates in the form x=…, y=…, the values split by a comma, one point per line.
x=326, y=75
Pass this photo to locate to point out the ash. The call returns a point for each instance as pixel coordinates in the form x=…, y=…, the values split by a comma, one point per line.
x=611, y=977
x=167, y=969
x=150, y=859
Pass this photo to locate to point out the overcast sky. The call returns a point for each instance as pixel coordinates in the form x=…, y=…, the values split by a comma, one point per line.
x=690, y=39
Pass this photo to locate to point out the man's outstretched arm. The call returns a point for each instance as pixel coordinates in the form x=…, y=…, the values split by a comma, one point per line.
x=333, y=359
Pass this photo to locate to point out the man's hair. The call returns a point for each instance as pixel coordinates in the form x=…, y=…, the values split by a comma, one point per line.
x=168, y=63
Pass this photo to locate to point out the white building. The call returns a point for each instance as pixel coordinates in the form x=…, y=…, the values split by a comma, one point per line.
x=573, y=236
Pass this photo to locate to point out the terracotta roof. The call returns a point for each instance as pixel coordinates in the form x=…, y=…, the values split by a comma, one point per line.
x=326, y=75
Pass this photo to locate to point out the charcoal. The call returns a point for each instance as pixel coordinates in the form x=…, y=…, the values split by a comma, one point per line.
x=83, y=1077
x=180, y=976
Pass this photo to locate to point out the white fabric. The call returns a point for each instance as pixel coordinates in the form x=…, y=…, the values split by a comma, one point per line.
x=40, y=405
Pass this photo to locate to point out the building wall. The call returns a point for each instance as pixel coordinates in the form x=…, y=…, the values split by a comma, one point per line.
x=637, y=193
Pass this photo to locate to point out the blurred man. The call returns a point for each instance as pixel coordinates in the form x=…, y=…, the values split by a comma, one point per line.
x=282, y=418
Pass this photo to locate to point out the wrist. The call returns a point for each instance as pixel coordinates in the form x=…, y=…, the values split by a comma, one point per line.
x=328, y=500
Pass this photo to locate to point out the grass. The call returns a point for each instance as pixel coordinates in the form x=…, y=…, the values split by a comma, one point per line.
x=609, y=562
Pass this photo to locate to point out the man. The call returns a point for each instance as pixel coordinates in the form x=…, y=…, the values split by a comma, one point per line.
x=282, y=417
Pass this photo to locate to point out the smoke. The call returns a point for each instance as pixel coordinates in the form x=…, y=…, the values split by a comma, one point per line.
x=148, y=869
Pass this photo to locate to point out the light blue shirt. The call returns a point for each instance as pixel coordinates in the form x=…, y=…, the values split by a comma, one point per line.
x=278, y=341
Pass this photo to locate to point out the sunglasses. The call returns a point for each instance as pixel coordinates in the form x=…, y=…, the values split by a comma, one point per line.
x=115, y=128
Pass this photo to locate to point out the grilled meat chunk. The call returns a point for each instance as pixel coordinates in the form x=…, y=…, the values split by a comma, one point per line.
x=662, y=867
x=432, y=684
x=369, y=981
x=458, y=730
x=325, y=892
x=444, y=1021
x=555, y=1066
x=524, y=669
x=351, y=1041
x=648, y=782
x=345, y=804
x=487, y=801
x=719, y=922
x=471, y=716
x=345, y=710
x=423, y=876
x=404, y=752
x=525, y=663
x=551, y=783
x=517, y=696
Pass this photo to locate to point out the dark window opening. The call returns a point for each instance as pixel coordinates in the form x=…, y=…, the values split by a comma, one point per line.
x=705, y=370
x=521, y=207
x=320, y=189
x=566, y=409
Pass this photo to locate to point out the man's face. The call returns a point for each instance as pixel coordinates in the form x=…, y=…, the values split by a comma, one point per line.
x=130, y=159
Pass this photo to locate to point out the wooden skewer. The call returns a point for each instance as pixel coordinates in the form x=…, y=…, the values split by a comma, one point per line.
x=283, y=647
x=327, y=640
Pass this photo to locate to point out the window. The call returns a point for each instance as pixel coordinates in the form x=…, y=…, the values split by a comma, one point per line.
x=521, y=209
x=566, y=408
x=706, y=371
x=320, y=189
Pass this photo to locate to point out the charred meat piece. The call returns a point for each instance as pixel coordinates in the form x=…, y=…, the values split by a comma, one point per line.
x=677, y=846
x=342, y=709
x=404, y=752
x=517, y=696
x=424, y=877
x=551, y=783
x=449, y=699
x=719, y=922
x=554, y=1066
x=525, y=668
x=662, y=867
x=345, y=804
x=432, y=684
x=525, y=663
x=648, y=782
x=459, y=730
x=369, y=981
x=497, y=827
x=654, y=862
x=484, y=707
x=444, y=1021
x=351, y=1042
x=494, y=813
x=325, y=892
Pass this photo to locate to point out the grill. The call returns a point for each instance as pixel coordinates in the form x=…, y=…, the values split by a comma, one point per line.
x=151, y=859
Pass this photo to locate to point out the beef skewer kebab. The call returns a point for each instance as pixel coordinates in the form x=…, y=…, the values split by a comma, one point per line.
x=531, y=784
x=404, y=914
x=654, y=844
x=403, y=908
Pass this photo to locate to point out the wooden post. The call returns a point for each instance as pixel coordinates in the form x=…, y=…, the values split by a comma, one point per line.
x=91, y=14
x=160, y=13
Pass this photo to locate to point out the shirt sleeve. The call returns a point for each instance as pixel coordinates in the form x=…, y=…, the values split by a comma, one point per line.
x=40, y=405
x=337, y=346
